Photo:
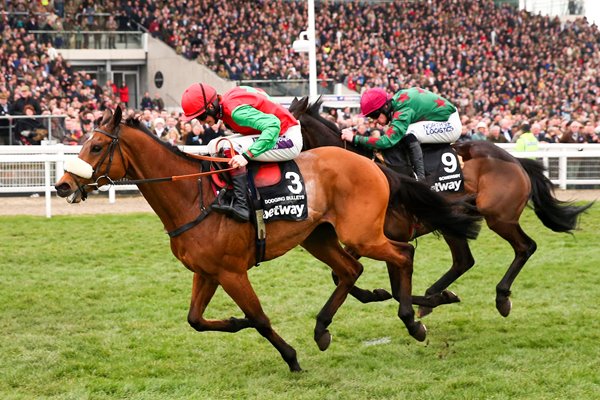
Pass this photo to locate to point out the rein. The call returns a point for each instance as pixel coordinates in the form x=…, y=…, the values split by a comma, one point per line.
x=115, y=144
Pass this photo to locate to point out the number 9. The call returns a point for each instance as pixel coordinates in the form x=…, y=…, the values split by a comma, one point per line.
x=449, y=161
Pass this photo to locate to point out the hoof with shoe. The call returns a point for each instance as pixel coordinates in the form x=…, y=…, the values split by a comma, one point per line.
x=324, y=341
x=503, y=305
x=382, y=294
x=450, y=297
x=420, y=332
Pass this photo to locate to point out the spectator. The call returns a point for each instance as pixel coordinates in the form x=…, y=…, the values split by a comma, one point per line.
x=25, y=99
x=526, y=140
x=572, y=133
x=124, y=93
x=481, y=132
x=173, y=137
x=552, y=135
x=30, y=130
x=111, y=26
x=110, y=88
x=146, y=103
x=158, y=102
x=4, y=123
x=159, y=128
x=196, y=136
x=495, y=135
x=465, y=134
x=506, y=129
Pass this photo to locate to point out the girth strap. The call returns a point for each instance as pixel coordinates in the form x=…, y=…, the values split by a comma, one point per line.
x=191, y=224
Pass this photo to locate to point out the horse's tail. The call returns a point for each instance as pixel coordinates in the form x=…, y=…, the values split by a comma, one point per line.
x=560, y=216
x=430, y=208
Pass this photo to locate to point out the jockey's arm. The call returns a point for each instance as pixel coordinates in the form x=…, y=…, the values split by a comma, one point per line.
x=269, y=126
x=391, y=136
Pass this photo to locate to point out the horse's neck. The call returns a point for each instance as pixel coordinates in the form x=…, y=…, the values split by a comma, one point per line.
x=177, y=202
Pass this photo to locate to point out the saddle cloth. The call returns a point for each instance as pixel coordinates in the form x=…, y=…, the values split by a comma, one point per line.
x=281, y=190
x=442, y=168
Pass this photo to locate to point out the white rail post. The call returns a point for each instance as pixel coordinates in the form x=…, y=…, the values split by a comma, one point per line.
x=48, y=190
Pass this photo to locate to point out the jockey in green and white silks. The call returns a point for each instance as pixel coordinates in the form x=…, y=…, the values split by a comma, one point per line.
x=414, y=116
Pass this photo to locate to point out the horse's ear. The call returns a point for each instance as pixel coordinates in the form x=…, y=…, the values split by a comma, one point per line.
x=303, y=104
x=293, y=108
x=117, y=116
x=106, y=117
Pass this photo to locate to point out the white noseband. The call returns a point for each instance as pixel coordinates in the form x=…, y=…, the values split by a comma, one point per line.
x=77, y=166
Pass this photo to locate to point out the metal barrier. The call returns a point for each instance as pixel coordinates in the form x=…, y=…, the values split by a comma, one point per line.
x=47, y=125
x=35, y=169
x=92, y=40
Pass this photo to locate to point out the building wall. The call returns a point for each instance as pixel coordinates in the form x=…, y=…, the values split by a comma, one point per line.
x=178, y=73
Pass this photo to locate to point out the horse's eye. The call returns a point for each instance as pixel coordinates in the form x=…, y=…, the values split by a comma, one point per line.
x=96, y=148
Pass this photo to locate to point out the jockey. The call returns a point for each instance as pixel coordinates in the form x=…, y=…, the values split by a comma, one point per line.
x=415, y=116
x=268, y=132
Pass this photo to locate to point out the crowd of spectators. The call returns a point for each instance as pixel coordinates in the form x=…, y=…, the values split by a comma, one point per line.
x=36, y=81
x=492, y=61
x=502, y=67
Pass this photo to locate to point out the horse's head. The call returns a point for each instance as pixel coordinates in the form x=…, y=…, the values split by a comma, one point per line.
x=100, y=161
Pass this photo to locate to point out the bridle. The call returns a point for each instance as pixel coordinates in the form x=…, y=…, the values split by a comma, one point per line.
x=110, y=152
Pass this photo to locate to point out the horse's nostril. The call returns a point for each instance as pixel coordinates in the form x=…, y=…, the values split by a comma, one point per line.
x=64, y=189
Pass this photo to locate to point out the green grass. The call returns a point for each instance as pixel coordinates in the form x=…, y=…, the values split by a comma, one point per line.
x=95, y=307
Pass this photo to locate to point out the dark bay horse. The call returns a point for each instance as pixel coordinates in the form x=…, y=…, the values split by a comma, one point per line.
x=344, y=191
x=502, y=186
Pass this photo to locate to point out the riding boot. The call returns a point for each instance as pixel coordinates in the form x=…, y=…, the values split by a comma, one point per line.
x=237, y=208
x=416, y=159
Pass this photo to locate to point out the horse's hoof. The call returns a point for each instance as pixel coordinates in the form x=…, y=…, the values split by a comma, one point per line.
x=424, y=311
x=503, y=305
x=450, y=297
x=420, y=333
x=295, y=367
x=382, y=294
x=324, y=341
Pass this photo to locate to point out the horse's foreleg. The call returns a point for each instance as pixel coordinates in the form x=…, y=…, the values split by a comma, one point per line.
x=238, y=287
x=462, y=261
x=400, y=274
x=203, y=289
x=323, y=244
x=523, y=247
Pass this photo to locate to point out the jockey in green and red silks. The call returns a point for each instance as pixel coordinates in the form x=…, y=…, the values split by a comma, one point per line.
x=266, y=131
x=414, y=116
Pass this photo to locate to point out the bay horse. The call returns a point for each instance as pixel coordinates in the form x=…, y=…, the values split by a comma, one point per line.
x=343, y=191
x=501, y=185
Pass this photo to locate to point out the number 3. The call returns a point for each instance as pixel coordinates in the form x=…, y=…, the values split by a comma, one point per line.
x=296, y=184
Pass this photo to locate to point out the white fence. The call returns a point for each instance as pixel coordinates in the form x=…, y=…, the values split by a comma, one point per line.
x=35, y=169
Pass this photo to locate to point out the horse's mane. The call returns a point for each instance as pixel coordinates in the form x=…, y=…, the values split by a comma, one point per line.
x=137, y=124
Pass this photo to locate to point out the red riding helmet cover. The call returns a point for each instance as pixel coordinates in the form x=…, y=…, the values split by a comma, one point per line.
x=372, y=100
x=197, y=99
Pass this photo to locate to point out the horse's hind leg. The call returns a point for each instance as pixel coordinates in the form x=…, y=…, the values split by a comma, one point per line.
x=462, y=261
x=364, y=295
x=523, y=247
x=324, y=245
x=239, y=288
x=399, y=259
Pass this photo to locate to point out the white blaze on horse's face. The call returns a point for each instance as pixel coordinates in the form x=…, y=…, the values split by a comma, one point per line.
x=78, y=167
